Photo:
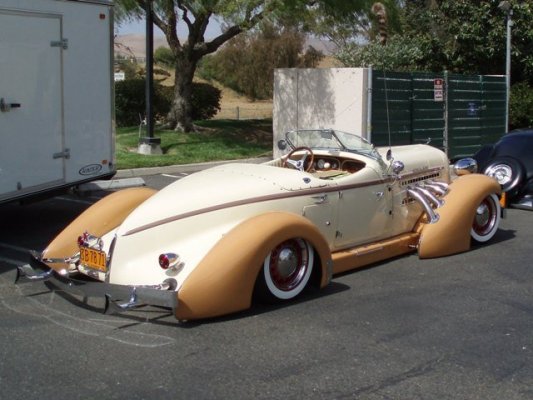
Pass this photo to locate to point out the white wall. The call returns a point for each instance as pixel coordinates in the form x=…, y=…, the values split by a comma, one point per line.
x=319, y=98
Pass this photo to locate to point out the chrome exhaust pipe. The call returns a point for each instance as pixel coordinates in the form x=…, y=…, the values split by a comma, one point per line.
x=436, y=190
x=419, y=196
x=432, y=198
x=443, y=185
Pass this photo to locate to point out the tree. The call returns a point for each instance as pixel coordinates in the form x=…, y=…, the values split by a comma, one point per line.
x=237, y=16
x=471, y=36
x=354, y=25
x=246, y=63
x=455, y=35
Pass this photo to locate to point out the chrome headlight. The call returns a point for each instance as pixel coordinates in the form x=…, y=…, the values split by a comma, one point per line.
x=503, y=173
x=465, y=166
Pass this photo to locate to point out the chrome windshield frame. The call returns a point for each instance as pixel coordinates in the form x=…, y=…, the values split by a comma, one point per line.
x=333, y=136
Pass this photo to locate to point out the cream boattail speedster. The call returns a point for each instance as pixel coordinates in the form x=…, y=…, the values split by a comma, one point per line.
x=211, y=243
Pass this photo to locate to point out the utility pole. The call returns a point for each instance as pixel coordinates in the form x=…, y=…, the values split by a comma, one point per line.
x=507, y=8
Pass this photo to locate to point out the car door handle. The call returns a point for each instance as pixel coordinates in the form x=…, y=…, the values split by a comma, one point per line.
x=320, y=199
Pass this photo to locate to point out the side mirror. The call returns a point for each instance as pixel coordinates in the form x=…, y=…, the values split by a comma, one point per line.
x=282, y=144
x=465, y=166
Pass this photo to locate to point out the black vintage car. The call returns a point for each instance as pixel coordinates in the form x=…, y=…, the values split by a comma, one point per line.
x=510, y=161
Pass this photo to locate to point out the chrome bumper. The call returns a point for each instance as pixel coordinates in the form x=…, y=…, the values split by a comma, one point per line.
x=118, y=298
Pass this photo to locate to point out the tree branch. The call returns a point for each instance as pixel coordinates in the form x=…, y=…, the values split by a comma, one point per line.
x=212, y=46
x=185, y=16
x=171, y=31
x=201, y=49
x=196, y=34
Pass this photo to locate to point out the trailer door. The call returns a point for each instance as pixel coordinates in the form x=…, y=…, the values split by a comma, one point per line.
x=31, y=127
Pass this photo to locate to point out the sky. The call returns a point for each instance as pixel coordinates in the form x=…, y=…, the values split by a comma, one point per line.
x=139, y=27
x=135, y=27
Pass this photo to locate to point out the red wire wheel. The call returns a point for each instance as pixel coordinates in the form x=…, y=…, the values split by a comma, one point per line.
x=486, y=219
x=287, y=268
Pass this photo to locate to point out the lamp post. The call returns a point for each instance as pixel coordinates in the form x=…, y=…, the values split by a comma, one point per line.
x=149, y=144
x=506, y=7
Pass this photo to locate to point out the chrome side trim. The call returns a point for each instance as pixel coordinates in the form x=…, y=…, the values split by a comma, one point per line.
x=237, y=203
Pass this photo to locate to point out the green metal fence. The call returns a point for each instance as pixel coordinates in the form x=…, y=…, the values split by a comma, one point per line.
x=456, y=113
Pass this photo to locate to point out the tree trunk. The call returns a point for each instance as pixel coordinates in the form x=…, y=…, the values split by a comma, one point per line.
x=179, y=117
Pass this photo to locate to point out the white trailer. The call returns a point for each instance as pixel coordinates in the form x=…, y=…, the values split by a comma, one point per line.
x=56, y=95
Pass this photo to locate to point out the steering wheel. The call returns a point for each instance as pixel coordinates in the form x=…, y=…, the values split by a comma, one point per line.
x=300, y=164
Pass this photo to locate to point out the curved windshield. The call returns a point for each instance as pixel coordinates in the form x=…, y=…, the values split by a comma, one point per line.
x=329, y=139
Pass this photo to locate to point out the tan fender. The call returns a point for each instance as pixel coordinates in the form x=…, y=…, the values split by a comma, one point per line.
x=98, y=219
x=231, y=268
x=451, y=234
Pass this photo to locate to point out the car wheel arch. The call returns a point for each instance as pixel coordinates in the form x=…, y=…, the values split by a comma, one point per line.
x=100, y=218
x=238, y=257
x=451, y=234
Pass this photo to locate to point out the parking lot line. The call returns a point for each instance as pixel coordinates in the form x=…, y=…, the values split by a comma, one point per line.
x=11, y=261
x=13, y=247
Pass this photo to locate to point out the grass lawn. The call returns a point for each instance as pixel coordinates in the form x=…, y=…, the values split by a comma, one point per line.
x=214, y=141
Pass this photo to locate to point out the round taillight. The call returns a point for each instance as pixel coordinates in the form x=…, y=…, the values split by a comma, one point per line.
x=169, y=261
x=83, y=238
x=164, y=261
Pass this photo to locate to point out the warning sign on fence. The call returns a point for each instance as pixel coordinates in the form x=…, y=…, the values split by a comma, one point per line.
x=438, y=89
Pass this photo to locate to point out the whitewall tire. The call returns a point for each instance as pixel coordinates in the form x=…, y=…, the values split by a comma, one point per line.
x=487, y=219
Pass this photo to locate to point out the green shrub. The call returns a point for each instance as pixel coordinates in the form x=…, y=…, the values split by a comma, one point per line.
x=130, y=104
x=164, y=56
x=205, y=101
x=521, y=106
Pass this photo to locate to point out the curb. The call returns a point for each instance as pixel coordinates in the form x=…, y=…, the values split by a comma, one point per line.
x=119, y=183
x=183, y=168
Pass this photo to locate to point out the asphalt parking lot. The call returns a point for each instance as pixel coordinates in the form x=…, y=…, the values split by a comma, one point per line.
x=451, y=328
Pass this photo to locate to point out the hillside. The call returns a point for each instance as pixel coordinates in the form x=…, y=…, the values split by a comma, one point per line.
x=134, y=45
x=233, y=105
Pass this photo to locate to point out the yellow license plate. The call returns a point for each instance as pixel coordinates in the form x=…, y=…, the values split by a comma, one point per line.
x=93, y=258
